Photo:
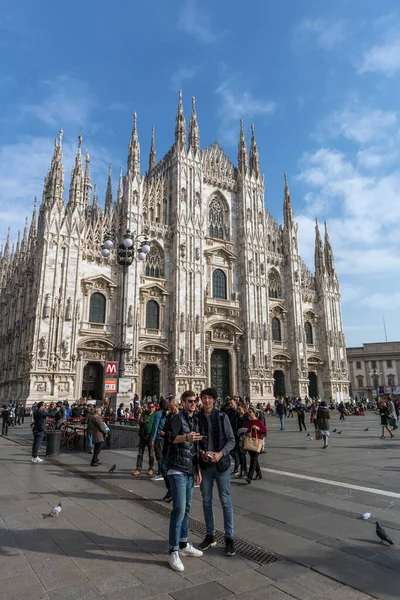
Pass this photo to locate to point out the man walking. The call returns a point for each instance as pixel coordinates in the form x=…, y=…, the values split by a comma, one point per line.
x=38, y=429
x=146, y=426
x=301, y=415
x=281, y=412
x=157, y=437
x=183, y=471
x=232, y=413
x=215, y=462
x=6, y=417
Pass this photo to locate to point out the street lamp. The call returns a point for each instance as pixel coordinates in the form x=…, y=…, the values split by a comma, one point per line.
x=125, y=255
x=375, y=374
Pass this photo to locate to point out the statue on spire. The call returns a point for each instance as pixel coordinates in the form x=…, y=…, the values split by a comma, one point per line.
x=180, y=124
x=242, y=151
x=194, y=132
x=254, y=156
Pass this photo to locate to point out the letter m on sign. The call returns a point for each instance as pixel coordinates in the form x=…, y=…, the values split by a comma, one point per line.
x=111, y=368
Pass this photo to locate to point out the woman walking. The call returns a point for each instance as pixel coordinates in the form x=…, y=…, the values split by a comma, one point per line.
x=313, y=415
x=322, y=422
x=384, y=414
x=241, y=419
x=98, y=430
x=256, y=428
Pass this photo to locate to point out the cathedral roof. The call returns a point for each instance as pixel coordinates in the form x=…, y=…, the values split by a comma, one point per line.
x=217, y=166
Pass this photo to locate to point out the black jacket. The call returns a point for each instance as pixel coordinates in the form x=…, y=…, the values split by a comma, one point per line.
x=39, y=419
x=183, y=457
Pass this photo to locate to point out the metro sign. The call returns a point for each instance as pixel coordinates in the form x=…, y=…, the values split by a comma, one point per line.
x=111, y=369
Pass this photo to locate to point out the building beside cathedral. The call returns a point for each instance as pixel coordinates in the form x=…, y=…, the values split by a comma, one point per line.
x=224, y=298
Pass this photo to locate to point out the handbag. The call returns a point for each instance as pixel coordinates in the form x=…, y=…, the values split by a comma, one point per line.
x=317, y=435
x=252, y=443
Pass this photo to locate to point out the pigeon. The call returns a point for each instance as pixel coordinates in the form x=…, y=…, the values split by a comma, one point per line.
x=366, y=429
x=381, y=533
x=308, y=435
x=334, y=431
x=339, y=432
x=56, y=510
x=113, y=469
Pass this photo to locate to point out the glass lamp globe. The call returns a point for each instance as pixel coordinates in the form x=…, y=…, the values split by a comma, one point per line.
x=108, y=244
x=145, y=248
x=105, y=252
x=141, y=256
x=128, y=242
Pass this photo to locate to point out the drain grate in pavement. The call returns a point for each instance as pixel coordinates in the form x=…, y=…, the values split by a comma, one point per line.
x=244, y=548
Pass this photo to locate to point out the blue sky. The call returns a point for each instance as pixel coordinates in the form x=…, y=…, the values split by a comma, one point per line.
x=319, y=80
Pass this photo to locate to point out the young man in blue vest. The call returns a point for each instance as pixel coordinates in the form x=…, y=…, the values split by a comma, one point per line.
x=183, y=472
x=215, y=462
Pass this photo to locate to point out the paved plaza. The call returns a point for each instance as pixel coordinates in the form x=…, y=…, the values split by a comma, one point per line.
x=108, y=544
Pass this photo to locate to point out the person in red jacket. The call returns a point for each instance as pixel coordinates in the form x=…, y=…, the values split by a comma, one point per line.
x=254, y=425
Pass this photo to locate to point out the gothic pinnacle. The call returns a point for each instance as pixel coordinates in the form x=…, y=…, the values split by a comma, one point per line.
x=120, y=190
x=329, y=261
x=242, y=151
x=287, y=203
x=254, y=156
x=319, y=250
x=152, y=156
x=32, y=230
x=194, y=132
x=134, y=150
x=25, y=236
x=108, y=203
x=180, y=124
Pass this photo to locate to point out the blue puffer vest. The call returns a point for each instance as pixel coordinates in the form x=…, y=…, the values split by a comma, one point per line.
x=219, y=439
x=180, y=456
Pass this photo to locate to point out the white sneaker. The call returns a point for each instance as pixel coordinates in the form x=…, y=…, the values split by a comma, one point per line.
x=191, y=551
x=37, y=460
x=157, y=478
x=175, y=562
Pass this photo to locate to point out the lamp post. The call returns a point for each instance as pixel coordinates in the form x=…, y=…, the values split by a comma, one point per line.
x=375, y=374
x=125, y=253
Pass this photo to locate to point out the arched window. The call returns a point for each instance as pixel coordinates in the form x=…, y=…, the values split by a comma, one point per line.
x=216, y=214
x=152, y=315
x=309, y=333
x=155, y=262
x=219, y=284
x=274, y=284
x=276, y=330
x=97, y=312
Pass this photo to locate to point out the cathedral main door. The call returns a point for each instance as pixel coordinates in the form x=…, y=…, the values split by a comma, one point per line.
x=313, y=385
x=93, y=381
x=151, y=381
x=279, y=384
x=220, y=373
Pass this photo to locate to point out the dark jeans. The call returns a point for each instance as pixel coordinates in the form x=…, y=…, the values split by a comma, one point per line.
x=342, y=417
x=235, y=455
x=164, y=470
x=96, y=452
x=37, y=442
x=315, y=424
x=143, y=444
x=302, y=422
x=4, y=429
x=158, y=449
x=243, y=461
x=254, y=466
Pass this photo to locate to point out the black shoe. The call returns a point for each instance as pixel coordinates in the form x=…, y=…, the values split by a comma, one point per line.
x=208, y=541
x=236, y=473
x=167, y=497
x=248, y=480
x=229, y=547
x=258, y=476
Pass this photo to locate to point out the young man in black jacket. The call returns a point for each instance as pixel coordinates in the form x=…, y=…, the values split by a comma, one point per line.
x=183, y=471
x=39, y=428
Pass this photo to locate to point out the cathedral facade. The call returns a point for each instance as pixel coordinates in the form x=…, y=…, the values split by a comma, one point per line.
x=223, y=299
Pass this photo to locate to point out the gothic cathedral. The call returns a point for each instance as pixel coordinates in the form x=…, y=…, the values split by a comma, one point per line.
x=223, y=299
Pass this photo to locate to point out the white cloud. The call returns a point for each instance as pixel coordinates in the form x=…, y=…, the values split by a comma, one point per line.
x=64, y=100
x=382, y=58
x=362, y=124
x=181, y=75
x=236, y=104
x=194, y=21
x=327, y=34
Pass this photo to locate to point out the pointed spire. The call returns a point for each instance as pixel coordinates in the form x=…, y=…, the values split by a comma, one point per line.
x=7, y=246
x=32, y=230
x=152, y=156
x=329, y=261
x=54, y=181
x=25, y=236
x=77, y=187
x=180, y=124
x=254, y=156
x=18, y=246
x=319, y=251
x=108, y=203
x=95, y=207
x=287, y=203
x=120, y=191
x=134, y=150
x=242, y=151
x=87, y=182
x=194, y=132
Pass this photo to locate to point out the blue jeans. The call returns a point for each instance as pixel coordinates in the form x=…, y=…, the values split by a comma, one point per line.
x=282, y=420
x=90, y=440
x=182, y=492
x=37, y=442
x=224, y=490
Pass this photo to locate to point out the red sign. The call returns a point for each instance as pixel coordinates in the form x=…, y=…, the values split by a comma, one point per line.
x=111, y=369
x=110, y=385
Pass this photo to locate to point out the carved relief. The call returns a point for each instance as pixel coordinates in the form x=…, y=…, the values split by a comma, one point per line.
x=46, y=307
x=220, y=334
x=68, y=310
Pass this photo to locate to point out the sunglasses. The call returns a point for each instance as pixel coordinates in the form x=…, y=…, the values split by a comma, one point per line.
x=191, y=401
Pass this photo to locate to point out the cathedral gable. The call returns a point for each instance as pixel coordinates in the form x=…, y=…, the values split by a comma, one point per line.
x=100, y=283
